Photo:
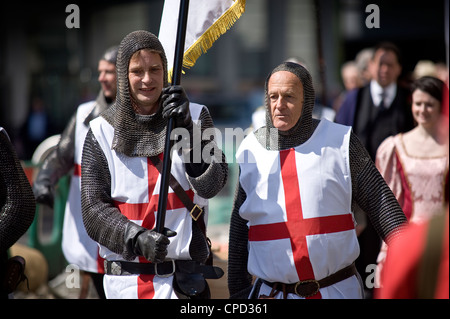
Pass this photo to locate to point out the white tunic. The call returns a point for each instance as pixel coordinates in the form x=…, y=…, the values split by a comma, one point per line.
x=299, y=210
x=135, y=185
x=77, y=246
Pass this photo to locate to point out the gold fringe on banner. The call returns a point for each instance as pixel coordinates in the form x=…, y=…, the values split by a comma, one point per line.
x=206, y=40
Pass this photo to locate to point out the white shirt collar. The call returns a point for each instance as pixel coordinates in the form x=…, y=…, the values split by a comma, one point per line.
x=376, y=91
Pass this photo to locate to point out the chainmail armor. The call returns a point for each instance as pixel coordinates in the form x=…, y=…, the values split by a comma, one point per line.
x=135, y=134
x=17, y=205
x=60, y=161
x=369, y=190
x=273, y=139
x=103, y=221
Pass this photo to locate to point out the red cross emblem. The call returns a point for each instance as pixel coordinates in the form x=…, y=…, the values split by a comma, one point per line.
x=296, y=228
x=146, y=213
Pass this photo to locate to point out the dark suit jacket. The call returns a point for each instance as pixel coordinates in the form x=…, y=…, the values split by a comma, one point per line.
x=374, y=124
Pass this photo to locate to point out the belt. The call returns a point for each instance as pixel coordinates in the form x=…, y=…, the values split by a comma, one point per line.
x=164, y=269
x=308, y=288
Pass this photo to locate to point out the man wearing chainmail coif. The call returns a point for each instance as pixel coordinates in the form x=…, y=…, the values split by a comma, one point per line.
x=300, y=179
x=78, y=248
x=120, y=182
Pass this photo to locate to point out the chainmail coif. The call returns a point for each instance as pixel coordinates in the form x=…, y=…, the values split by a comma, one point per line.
x=370, y=192
x=273, y=139
x=134, y=134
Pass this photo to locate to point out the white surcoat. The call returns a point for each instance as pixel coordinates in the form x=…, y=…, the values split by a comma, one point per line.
x=298, y=208
x=77, y=246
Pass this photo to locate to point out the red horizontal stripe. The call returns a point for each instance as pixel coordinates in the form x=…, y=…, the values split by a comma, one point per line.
x=77, y=170
x=305, y=227
x=138, y=211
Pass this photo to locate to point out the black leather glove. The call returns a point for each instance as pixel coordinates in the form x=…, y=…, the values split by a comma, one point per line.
x=175, y=104
x=147, y=243
x=44, y=194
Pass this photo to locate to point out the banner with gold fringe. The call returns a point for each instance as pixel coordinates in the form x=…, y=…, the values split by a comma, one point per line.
x=207, y=21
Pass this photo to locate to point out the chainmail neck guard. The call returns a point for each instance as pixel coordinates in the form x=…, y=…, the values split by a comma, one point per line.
x=136, y=135
x=101, y=104
x=273, y=139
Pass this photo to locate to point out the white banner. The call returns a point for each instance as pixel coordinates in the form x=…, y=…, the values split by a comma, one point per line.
x=207, y=21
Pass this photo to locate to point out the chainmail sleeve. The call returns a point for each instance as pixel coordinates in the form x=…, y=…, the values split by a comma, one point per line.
x=207, y=178
x=56, y=164
x=17, y=205
x=372, y=194
x=103, y=221
x=239, y=280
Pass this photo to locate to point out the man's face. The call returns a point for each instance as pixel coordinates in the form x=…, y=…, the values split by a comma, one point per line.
x=146, y=78
x=385, y=68
x=107, y=77
x=285, y=93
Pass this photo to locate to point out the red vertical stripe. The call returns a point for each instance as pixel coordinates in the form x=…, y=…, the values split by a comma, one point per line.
x=146, y=289
x=100, y=263
x=296, y=228
x=294, y=214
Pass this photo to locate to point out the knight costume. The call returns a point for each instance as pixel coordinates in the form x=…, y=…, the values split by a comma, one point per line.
x=78, y=248
x=120, y=189
x=292, y=224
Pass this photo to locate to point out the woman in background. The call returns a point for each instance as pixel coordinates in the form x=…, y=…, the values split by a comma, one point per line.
x=415, y=164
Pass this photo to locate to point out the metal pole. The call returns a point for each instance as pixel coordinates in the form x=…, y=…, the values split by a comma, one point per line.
x=176, y=79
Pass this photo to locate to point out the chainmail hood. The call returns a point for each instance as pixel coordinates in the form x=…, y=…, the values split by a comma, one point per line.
x=274, y=139
x=134, y=134
x=110, y=54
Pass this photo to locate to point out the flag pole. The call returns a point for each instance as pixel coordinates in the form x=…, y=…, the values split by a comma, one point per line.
x=176, y=79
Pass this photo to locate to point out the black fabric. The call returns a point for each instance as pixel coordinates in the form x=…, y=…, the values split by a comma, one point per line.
x=374, y=124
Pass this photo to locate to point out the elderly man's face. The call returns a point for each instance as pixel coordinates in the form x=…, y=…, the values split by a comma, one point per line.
x=285, y=93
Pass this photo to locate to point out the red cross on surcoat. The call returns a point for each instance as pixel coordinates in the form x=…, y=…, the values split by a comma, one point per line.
x=146, y=212
x=296, y=228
